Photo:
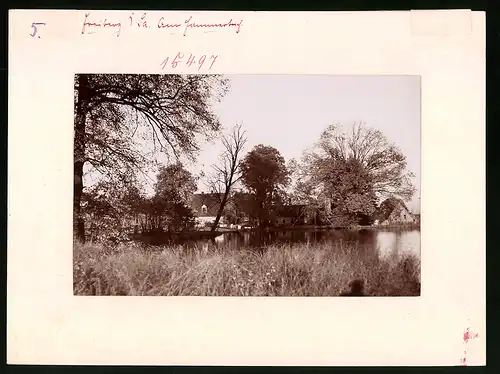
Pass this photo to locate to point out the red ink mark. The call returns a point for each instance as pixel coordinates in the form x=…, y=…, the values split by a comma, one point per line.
x=201, y=61
x=179, y=56
x=103, y=24
x=164, y=63
x=109, y=24
x=190, y=60
x=190, y=24
x=140, y=23
x=174, y=62
x=162, y=25
x=143, y=22
x=213, y=62
x=468, y=335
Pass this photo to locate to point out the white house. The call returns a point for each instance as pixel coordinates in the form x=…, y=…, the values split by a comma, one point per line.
x=205, y=208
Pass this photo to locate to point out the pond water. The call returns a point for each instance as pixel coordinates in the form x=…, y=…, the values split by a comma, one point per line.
x=388, y=242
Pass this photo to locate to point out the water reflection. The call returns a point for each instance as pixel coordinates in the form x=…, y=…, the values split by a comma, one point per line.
x=391, y=243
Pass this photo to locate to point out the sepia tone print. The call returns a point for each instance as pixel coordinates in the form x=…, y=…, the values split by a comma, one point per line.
x=212, y=185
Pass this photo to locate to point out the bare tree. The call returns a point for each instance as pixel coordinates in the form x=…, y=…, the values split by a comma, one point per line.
x=227, y=172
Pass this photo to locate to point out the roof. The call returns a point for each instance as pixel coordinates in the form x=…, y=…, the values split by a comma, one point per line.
x=210, y=200
x=289, y=210
x=243, y=202
x=388, y=206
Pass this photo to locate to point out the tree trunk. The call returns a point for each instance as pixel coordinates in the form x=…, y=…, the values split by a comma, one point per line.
x=264, y=216
x=78, y=222
x=221, y=210
x=79, y=155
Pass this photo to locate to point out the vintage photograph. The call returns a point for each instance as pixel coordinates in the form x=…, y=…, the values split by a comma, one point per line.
x=246, y=185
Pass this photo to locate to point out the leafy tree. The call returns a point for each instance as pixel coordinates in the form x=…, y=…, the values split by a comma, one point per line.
x=346, y=173
x=151, y=217
x=230, y=216
x=240, y=206
x=340, y=190
x=350, y=191
x=117, y=114
x=175, y=184
x=109, y=210
x=227, y=171
x=265, y=174
x=384, y=163
x=173, y=191
x=99, y=212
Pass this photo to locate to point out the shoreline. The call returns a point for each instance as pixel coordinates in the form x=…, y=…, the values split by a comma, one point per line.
x=169, y=237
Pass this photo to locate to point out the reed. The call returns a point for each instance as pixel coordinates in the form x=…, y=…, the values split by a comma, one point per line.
x=278, y=270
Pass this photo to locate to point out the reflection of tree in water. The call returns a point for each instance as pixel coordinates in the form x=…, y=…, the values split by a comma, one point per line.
x=369, y=244
x=398, y=244
x=262, y=238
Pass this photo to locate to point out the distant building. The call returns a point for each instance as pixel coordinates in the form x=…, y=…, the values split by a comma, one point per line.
x=289, y=215
x=241, y=211
x=416, y=217
x=205, y=207
x=295, y=214
x=394, y=211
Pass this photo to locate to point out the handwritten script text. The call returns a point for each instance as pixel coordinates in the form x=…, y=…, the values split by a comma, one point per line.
x=92, y=24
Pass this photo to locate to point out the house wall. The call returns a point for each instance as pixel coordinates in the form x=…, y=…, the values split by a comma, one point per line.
x=288, y=221
x=202, y=220
x=405, y=216
x=399, y=216
x=280, y=221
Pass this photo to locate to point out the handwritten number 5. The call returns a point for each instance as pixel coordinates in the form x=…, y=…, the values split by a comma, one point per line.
x=33, y=25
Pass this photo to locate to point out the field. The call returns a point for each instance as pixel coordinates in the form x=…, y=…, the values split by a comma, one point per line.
x=278, y=270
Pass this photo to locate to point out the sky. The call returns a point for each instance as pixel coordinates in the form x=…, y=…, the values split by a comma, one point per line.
x=289, y=112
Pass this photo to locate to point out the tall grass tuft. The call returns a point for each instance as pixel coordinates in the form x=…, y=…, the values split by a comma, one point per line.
x=279, y=270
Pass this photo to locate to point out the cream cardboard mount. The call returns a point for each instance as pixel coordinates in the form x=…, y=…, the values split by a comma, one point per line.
x=48, y=325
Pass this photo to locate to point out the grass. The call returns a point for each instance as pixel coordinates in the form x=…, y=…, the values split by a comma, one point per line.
x=280, y=270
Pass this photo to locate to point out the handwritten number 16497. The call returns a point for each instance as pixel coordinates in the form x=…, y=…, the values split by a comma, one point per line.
x=35, y=30
x=174, y=62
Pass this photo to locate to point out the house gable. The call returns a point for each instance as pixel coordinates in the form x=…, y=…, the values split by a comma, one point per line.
x=205, y=205
x=394, y=211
